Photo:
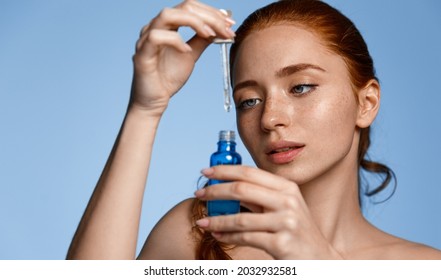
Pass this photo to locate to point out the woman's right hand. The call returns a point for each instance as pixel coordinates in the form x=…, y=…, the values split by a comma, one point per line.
x=163, y=62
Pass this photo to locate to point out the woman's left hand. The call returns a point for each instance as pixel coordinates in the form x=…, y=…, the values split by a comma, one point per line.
x=279, y=223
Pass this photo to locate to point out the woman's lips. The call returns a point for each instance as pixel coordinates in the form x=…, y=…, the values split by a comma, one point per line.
x=282, y=153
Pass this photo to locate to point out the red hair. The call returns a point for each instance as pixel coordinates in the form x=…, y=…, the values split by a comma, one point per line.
x=341, y=37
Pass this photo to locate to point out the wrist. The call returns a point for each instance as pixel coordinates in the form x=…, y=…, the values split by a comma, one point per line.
x=151, y=101
x=143, y=115
x=152, y=111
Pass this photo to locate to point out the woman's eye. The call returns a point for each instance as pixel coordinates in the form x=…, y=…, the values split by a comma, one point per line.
x=249, y=103
x=302, y=89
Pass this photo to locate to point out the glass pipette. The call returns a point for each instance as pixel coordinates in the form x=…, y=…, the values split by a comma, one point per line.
x=224, y=43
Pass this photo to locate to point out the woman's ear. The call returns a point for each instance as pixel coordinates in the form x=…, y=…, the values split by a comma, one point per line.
x=368, y=103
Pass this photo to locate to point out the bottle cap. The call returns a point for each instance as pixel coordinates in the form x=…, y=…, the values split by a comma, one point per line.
x=227, y=135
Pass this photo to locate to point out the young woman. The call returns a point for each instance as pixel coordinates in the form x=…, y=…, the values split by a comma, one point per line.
x=306, y=95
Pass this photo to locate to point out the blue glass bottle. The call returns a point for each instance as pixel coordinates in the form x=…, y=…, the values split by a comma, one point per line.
x=225, y=154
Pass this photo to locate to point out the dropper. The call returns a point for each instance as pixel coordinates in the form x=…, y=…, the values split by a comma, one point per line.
x=224, y=43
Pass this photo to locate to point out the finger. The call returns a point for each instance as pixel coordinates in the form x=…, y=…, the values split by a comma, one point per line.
x=258, y=239
x=195, y=45
x=172, y=19
x=252, y=207
x=205, y=24
x=218, y=19
x=242, y=222
x=198, y=45
x=143, y=30
x=157, y=38
x=249, y=193
x=249, y=174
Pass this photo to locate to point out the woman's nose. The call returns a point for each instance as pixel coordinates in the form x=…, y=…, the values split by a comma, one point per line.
x=276, y=114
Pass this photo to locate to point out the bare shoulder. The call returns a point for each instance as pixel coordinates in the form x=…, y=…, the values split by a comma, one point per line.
x=394, y=248
x=172, y=236
x=375, y=244
x=414, y=251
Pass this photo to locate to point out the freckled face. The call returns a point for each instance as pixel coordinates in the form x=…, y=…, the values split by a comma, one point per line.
x=296, y=111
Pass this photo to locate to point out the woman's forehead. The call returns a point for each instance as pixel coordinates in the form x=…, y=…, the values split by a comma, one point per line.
x=281, y=45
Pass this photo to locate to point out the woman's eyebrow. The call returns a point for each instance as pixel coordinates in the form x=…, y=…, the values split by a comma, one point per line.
x=285, y=71
x=291, y=69
x=244, y=84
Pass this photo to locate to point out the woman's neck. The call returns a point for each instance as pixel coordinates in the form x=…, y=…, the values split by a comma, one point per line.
x=334, y=204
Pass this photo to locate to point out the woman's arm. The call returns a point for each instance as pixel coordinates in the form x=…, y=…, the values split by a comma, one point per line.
x=162, y=65
x=109, y=227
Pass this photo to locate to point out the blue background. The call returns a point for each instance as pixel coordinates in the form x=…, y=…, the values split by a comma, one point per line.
x=65, y=74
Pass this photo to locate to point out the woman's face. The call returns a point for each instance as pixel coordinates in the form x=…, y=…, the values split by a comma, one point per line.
x=296, y=111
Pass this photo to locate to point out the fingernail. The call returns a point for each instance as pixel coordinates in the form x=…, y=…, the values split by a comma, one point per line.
x=230, y=32
x=216, y=235
x=228, y=15
x=203, y=222
x=225, y=12
x=209, y=30
x=187, y=48
x=230, y=20
x=200, y=193
x=207, y=171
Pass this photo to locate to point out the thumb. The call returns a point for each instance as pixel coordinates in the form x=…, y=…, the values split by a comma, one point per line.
x=198, y=45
